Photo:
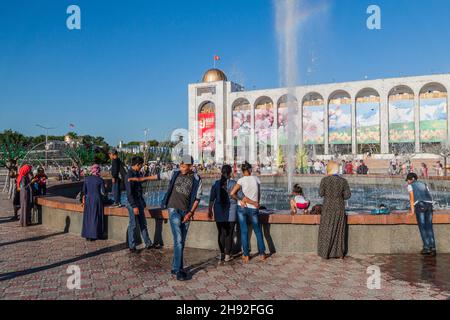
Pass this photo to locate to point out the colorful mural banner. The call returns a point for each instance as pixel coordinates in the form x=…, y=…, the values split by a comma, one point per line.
x=433, y=119
x=368, y=128
x=283, y=118
x=264, y=120
x=401, y=121
x=313, y=124
x=207, y=131
x=340, y=121
x=242, y=125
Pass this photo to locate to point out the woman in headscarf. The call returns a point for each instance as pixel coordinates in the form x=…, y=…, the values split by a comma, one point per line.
x=333, y=223
x=24, y=187
x=93, y=192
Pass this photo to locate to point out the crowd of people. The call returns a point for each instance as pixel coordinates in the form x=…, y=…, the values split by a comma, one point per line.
x=234, y=204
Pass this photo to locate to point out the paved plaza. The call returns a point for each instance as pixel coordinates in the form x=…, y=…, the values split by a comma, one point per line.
x=34, y=263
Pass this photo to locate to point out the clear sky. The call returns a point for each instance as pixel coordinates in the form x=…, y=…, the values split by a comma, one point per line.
x=129, y=66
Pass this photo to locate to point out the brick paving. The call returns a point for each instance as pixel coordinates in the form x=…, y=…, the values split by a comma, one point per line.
x=34, y=262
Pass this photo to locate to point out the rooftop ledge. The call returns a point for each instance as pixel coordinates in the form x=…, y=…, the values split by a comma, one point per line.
x=395, y=218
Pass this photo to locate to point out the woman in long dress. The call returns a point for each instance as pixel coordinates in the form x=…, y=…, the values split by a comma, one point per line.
x=333, y=223
x=93, y=217
x=24, y=186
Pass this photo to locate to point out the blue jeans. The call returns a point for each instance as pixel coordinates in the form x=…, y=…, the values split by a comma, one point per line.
x=142, y=226
x=243, y=215
x=179, y=232
x=424, y=215
x=116, y=191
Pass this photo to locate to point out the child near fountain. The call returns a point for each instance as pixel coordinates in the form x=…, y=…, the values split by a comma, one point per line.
x=298, y=202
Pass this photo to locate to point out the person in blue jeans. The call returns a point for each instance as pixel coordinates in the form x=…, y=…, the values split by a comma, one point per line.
x=422, y=207
x=136, y=204
x=116, y=166
x=182, y=199
x=249, y=210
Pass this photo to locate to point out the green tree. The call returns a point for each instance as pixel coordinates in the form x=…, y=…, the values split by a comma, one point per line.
x=302, y=160
x=13, y=148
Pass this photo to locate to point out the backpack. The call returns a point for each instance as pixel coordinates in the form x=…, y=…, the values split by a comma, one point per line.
x=316, y=210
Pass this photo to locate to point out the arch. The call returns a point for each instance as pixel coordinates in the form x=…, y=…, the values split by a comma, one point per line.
x=313, y=105
x=264, y=100
x=401, y=119
x=206, y=106
x=367, y=92
x=312, y=96
x=242, y=125
x=339, y=94
x=207, y=131
x=340, y=122
x=368, y=121
x=264, y=126
x=433, y=113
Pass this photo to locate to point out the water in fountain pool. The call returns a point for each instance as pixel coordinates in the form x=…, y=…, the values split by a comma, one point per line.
x=364, y=197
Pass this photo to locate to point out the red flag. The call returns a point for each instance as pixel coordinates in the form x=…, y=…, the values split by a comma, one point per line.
x=217, y=58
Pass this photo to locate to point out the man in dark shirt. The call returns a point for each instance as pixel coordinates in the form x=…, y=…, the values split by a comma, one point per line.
x=182, y=199
x=136, y=203
x=116, y=165
x=362, y=169
x=422, y=206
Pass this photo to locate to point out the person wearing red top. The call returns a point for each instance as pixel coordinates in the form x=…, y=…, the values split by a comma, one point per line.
x=41, y=182
x=349, y=168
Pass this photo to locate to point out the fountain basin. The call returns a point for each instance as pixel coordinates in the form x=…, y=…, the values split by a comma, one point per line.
x=367, y=234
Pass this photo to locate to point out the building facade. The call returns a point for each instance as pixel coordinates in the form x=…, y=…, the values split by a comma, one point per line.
x=381, y=117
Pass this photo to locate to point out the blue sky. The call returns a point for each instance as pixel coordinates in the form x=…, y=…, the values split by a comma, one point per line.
x=129, y=67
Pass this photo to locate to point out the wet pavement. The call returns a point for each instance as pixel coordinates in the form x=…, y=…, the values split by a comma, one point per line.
x=34, y=264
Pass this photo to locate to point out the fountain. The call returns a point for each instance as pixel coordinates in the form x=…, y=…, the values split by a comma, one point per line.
x=288, y=19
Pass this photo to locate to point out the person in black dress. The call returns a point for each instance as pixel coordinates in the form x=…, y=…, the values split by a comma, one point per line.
x=93, y=217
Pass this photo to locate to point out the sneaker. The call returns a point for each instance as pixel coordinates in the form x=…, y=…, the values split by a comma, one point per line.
x=245, y=259
x=150, y=247
x=173, y=272
x=228, y=258
x=182, y=276
x=433, y=252
x=220, y=257
x=425, y=252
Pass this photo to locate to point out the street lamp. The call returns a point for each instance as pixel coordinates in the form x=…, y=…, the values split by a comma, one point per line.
x=46, y=141
x=146, y=130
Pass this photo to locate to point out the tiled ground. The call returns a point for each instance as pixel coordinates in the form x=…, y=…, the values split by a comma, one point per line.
x=33, y=264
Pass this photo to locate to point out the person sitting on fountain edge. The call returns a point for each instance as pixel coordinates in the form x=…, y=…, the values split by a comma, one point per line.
x=298, y=201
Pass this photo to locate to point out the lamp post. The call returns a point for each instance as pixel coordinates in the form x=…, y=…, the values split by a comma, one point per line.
x=146, y=130
x=46, y=141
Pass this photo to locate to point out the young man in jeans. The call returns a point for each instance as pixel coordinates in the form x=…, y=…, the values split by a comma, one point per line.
x=422, y=206
x=116, y=165
x=182, y=199
x=136, y=203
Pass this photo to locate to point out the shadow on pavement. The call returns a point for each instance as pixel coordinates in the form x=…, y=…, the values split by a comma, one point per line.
x=16, y=274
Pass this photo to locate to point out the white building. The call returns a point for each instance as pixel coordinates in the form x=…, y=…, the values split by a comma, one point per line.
x=383, y=117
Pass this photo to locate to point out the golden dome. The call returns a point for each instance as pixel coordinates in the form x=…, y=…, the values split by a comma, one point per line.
x=214, y=75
